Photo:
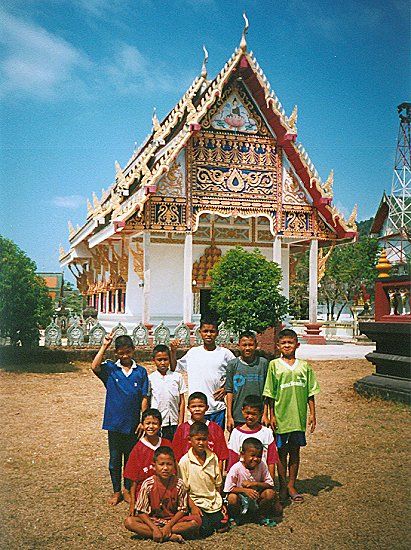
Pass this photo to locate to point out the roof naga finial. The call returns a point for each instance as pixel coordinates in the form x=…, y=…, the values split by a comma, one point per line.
x=205, y=60
x=352, y=219
x=328, y=185
x=292, y=119
x=155, y=121
x=243, y=43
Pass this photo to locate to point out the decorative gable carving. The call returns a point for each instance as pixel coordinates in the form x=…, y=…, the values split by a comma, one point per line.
x=234, y=116
x=293, y=193
x=172, y=184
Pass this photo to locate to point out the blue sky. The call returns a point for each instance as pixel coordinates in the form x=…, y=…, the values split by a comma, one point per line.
x=79, y=80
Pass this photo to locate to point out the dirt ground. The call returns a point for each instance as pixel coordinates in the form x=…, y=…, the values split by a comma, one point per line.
x=55, y=481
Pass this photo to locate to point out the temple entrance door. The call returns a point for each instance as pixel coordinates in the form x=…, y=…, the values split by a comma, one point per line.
x=205, y=310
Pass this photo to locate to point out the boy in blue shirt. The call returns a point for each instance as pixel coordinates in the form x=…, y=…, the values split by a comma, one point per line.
x=126, y=397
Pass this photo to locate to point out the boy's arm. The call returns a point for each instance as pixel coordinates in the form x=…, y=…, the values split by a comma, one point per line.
x=174, y=344
x=248, y=491
x=98, y=359
x=230, y=419
x=182, y=409
x=132, y=498
x=312, y=421
x=265, y=419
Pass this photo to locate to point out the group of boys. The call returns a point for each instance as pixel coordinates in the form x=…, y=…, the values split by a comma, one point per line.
x=174, y=469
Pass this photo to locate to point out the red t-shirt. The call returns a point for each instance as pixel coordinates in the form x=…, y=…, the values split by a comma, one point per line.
x=216, y=440
x=162, y=500
x=140, y=462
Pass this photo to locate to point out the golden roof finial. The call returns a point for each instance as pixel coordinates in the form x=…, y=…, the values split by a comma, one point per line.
x=155, y=121
x=62, y=252
x=89, y=206
x=383, y=266
x=292, y=119
x=70, y=228
x=328, y=185
x=243, y=43
x=352, y=219
x=205, y=60
x=96, y=202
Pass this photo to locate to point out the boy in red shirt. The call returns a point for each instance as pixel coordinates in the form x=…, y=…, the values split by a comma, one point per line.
x=140, y=462
x=162, y=504
x=198, y=405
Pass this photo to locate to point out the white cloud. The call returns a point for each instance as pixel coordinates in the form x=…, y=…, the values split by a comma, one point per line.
x=36, y=62
x=69, y=201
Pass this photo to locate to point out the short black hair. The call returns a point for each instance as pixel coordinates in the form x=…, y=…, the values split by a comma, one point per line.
x=254, y=401
x=164, y=450
x=248, y=334
x=124, y=341
x=198, y=395
x=209, y=321
x=161, y=348
x=251, y=442
x=198, y=428
x=155, y=413
x=287, y=332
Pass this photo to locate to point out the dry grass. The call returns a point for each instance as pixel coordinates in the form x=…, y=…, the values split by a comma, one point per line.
x=55, y=479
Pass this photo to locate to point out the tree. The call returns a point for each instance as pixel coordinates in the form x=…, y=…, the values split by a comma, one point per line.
x=299, y=287
x=245, y=291
x=24, y=301
x=72, y=299
x=348, y=267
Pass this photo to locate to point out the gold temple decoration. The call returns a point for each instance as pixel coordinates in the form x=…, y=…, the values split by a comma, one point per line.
x=383, y=266
x=71, y=228
x=138, y=260
x=62, y=252
x=327, y=187
x=205, y=61
x=243, y=43
x=201, y=267
x=96, y=202
x=292, y=120
x=89, y=207
x=352, y=219
x=121, y=183
x=322, y=261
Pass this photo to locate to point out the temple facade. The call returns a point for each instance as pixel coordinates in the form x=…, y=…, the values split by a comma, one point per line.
x=223, y=169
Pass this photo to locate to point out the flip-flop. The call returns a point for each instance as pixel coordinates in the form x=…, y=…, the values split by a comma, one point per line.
x=268, y=522
x=297, y=498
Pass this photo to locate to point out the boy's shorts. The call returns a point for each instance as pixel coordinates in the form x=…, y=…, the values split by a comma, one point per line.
x=211, y=522
x=292, y=439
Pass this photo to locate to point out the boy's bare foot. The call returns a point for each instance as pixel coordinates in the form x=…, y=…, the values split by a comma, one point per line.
x=174, y=537
x=126, y=495
x=115, y=499
x=283, y=495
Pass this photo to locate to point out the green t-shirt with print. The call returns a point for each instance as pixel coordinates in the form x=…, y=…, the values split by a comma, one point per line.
x=290, y=387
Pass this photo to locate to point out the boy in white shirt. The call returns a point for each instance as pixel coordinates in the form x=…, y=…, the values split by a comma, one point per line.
x=167, y=390
x=206, y=369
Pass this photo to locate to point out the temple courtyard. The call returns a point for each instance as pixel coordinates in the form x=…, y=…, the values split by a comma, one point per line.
x=354, y=475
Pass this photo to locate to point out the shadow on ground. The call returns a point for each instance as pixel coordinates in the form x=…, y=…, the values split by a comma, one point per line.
x=41, y=368
x=317, y=484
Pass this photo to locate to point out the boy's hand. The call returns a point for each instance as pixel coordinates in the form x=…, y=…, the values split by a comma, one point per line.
x=131, y=511
x=166, y=531
x=273, y=423
x=157, y=534
x=265, y=421
x=174, y=344
x=219, y=394
x=251, y=493
x=312, y=422
x=230, y=424
x=247, y=484
x=108, y=338
x=139, y=430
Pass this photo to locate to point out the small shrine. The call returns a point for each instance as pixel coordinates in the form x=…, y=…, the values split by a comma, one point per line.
x=224, y=168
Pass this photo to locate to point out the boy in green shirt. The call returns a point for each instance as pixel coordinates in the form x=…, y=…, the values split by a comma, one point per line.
x=290, y=384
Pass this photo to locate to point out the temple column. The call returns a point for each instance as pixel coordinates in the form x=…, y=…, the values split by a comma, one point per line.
x=116, y=303
x=313, y=282
x=277, y=250
x=285, y=268
x=147, y=276
x=187, y=278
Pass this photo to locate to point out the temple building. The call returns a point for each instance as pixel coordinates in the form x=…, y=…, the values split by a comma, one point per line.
x=224, y=168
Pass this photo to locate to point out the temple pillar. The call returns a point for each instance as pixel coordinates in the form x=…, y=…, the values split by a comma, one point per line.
x=147, y=276
x=187, y=278
x=277, y=250
x=313, y=335
x=285, y=268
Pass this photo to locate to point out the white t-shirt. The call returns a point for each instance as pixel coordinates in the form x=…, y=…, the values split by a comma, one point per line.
x=206, y=371
x=165, y=394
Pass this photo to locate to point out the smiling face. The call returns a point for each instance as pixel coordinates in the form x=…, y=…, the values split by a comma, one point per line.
x=162, y=362
x=251, y=457
x=287, y=346
x=252, y=416
x=247, y=347
x=197, y=409
x=125, y=354
x=151, y=426
x=208, y=333
x=164, y=466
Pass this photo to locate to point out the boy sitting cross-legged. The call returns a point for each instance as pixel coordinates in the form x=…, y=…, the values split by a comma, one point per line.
x=197, y=406
x=201, y=474
x=140, y=463
x=250, y=487
x=252, y=411
x=161, y=507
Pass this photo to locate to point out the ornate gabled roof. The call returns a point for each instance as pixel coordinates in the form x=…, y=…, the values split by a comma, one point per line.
x=138, y=179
